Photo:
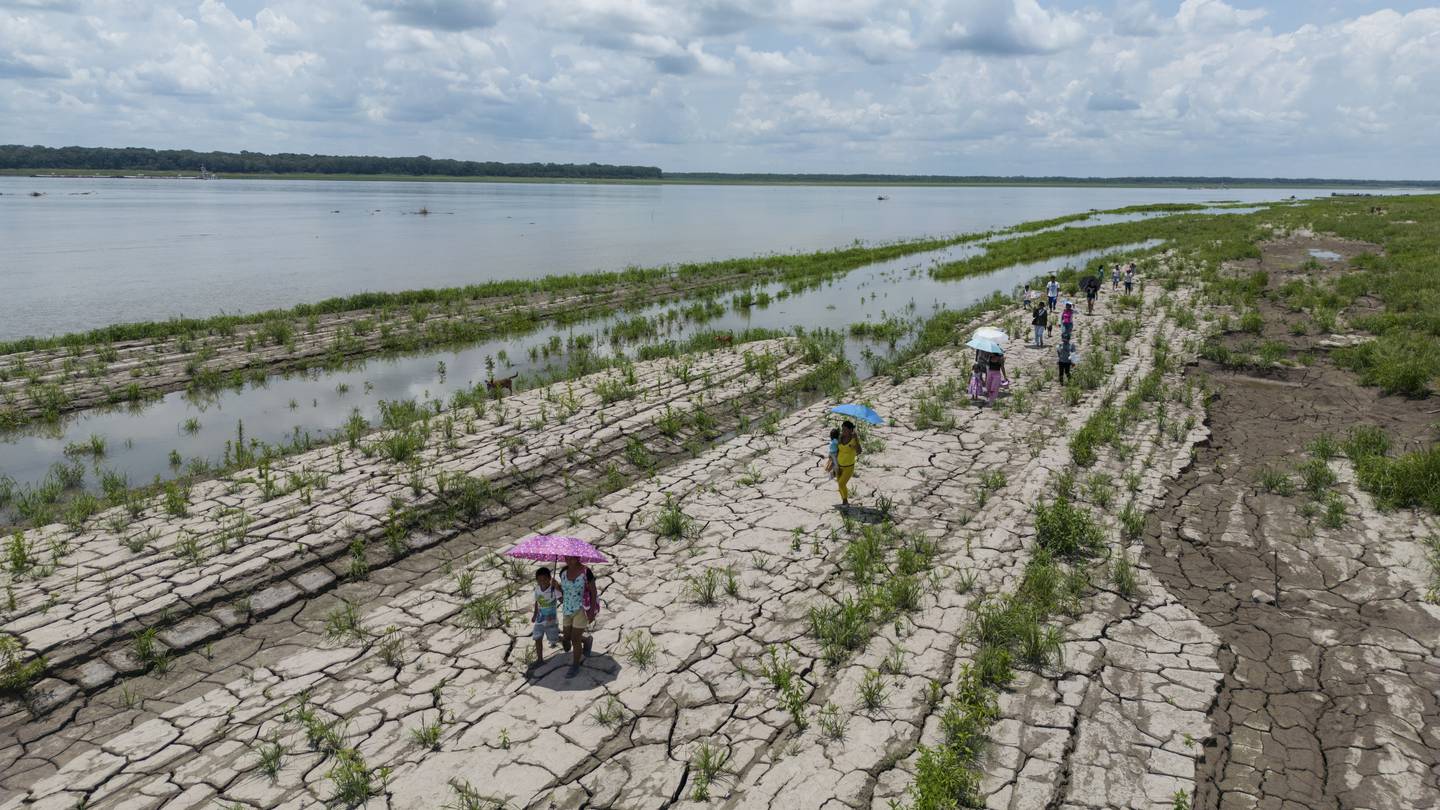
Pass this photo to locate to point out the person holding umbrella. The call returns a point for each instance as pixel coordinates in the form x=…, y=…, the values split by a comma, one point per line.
x=845, y=456
x=579, y=597
x=849, y=448
x=579, y=605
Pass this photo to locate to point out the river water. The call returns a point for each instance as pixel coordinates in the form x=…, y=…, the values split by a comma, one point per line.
x=141, y=439
x=92, y=252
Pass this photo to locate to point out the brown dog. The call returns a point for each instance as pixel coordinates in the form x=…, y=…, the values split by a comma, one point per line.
x=507, y=384
x=724, y=340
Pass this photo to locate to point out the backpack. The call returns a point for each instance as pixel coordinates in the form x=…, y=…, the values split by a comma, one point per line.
x=590, y=597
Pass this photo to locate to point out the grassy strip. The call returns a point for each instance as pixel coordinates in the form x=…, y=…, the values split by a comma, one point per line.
x=1009, y=631
x=1227, y=236
x=777, y=267
x=1408, y=481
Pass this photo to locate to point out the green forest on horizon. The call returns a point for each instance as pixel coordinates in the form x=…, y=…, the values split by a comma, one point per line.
x=15, y=158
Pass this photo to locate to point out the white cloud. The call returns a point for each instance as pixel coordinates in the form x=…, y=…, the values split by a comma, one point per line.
x=995, y=86
x=1006, y=27
x=1214, y=15
x=444, y=15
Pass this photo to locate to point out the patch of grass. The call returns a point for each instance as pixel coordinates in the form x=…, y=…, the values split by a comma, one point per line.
x=483, y=612
x=832, y=722
x=874, y=691
x=702, y=589
x=947, y=774
x=354, y=781
x=1316, y=477
x=271, y=754
x=639, y=649
x=1324, y=447
x=1122, y=574
x=1132, y=523
x=1365, y=441
x=16, y=671
x=468, y=798
x=427, y=735
x=1066, y=530
x=1276, y=482
x=614, y=389
x=610, y=714
x=342, y=623
x=706, y=765
x=19, y=554
x=1100, y=490
x=1432, y=559
x=671, y=522
x=1040, y=645
x=842, y=627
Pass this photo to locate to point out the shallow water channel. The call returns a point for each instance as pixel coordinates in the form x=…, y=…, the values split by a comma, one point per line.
x=145, y=441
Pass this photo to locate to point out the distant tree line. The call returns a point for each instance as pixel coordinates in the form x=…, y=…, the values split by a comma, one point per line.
x=103, y=159
x=944, y=179
x=186, y=160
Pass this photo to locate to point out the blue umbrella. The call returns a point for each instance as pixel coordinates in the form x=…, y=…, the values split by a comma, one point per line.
x=859, y=412
x=986, y=345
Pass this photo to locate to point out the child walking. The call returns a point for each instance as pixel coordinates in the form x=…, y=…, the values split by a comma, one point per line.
x=544, y=617
x=832, y=459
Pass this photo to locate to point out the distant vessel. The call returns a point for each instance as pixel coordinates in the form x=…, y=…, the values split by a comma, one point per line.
x=882, y=197
x=205, y=174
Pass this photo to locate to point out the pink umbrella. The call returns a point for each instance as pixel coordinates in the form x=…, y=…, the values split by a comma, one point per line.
x=552, y=548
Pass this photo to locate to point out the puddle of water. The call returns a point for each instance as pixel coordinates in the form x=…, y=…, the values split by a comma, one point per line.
x=140, y=441
x=1326, y=255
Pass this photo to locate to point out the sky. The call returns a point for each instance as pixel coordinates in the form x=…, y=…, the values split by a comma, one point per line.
x=1302, y=88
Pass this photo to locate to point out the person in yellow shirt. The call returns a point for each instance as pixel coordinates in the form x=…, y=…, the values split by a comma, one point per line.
x=845, y=459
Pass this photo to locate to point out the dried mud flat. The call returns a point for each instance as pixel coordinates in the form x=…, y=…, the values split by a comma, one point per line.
x=1191, y=682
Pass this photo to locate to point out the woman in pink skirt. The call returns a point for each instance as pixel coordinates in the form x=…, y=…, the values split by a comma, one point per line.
x=995, y=367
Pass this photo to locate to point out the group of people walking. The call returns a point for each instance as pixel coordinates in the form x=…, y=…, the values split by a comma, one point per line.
x=1046, y=309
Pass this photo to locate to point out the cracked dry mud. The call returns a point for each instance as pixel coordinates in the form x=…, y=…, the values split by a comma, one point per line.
x=1331, y=689
x=1151, y=697
x=245, y=550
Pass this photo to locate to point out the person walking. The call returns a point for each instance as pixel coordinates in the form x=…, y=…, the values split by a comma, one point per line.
x=1115, y=278
x=579, y=605
x=995, y=366
x=1040, y=319
x=1065, y=359
x=845, y=457
x=1129, y=278
x=1052, y=292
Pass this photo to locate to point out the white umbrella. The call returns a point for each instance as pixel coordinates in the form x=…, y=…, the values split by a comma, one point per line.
x=990, y=333
x=986, y=345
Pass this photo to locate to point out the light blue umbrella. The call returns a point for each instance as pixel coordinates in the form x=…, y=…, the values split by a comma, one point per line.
x=859, y=412
x=981, y=344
